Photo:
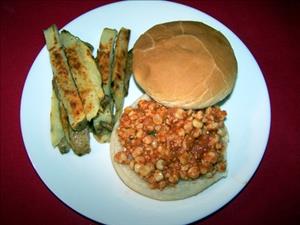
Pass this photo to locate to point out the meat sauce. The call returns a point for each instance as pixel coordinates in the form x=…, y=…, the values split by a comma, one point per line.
x=165, y=145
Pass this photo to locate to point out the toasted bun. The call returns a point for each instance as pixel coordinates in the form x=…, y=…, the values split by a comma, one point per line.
x=182, y=190
x=184, y=64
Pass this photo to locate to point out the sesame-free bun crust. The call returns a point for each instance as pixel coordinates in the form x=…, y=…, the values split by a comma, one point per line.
x=184, y=64
x=183, y=189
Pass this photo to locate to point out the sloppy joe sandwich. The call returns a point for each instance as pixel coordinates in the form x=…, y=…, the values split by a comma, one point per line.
x=171, y=143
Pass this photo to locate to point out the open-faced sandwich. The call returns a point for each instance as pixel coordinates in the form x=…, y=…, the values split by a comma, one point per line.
x=171, y=143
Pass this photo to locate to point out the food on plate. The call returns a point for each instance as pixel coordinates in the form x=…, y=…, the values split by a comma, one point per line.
x=169, y=153
x=103, y=123
x=62, y=135
x=82, y=99
x=85, y=73
x=79, y=141
x=128, y=72
x=58, y=137
x=105, y=56
x=172, y=142
x=186, y=64
x=63, y=83
x=119, y=71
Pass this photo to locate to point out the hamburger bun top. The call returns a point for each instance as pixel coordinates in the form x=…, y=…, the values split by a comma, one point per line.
x=184, y=64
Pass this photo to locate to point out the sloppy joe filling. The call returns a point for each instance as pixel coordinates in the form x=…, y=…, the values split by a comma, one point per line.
x=165, y=145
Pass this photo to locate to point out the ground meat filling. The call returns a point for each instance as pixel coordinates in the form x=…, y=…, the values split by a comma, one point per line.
x=165, y=145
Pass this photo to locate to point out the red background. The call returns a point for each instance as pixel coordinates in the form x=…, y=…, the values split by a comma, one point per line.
x=270, y=29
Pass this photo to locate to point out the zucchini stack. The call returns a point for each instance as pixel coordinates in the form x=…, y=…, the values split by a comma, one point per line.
x=87, y=93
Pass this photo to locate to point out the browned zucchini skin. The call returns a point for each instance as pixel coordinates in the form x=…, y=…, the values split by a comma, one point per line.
x=63, y=83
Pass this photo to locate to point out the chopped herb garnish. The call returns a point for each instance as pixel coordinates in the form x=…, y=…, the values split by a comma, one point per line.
x=152, y=133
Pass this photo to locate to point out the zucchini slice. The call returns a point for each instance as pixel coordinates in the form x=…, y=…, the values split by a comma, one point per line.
x=119, y=70
x=63, y=83
x=103, y=123
x=57, y=132
x=78, y=140
x=85, y=73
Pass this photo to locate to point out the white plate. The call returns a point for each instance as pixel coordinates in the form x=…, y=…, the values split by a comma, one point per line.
x=89, y=184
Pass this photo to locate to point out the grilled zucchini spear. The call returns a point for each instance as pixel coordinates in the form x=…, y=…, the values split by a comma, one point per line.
x=105, y=56
x=58, y=138
x=85, y=73
x=103, y=123
x=62, y=135
x=119, y=71
x=128, y=72
x=78, y=140
x=63, y=83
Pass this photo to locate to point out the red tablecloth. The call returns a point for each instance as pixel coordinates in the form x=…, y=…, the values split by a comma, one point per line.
x=271, y=32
